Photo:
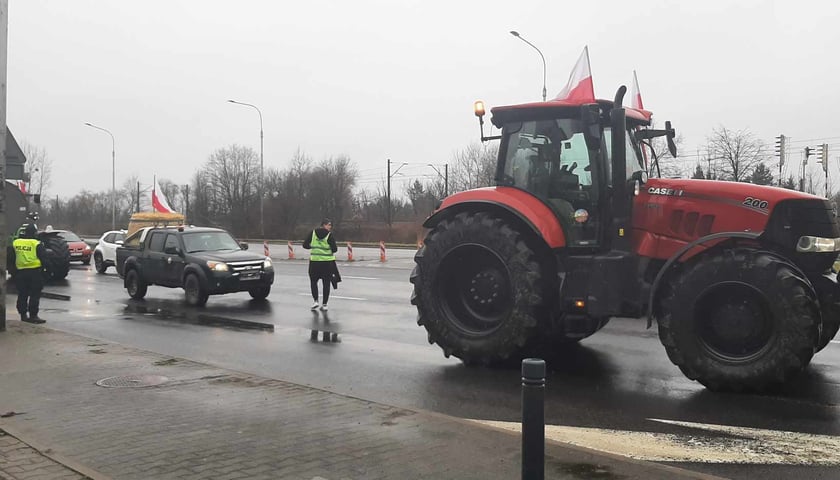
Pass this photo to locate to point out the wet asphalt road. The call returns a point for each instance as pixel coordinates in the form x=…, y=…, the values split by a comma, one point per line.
x=617, y=379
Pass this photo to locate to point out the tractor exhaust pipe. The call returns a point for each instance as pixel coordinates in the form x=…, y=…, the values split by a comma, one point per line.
x=619, y=96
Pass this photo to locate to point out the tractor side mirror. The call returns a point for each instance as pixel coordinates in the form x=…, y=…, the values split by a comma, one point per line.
x=671, y=134
x=590, y=115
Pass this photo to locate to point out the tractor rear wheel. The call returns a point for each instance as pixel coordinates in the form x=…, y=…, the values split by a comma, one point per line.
x=57, y=263
x=740, y=320
x=478, y=288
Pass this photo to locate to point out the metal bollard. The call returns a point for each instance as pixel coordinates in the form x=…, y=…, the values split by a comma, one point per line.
x=533, y=419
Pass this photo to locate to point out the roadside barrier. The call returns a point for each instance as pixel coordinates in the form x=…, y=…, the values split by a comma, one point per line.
x=349, y=252
x=291, y=251
x=266, y=251
x=382, y=250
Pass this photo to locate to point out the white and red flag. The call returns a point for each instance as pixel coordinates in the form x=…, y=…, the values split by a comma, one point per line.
x=580, y=88
x=159, y=203
x=636, y=94
x=22, y=186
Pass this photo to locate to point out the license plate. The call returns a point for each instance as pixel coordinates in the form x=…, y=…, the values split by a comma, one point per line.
x=76, y=254
x=250, y=276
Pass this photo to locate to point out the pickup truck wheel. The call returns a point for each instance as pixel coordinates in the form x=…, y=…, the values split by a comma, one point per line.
x=195, y=295
x=135, y=285
x=259, y=293
x=99, y=263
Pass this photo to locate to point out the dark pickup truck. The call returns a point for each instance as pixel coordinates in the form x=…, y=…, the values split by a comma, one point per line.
x=202, y=261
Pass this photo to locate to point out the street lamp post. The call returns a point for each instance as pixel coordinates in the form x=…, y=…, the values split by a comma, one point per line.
x=517, y=35
x=113, y=177
x=445, y=177
x=262, y=223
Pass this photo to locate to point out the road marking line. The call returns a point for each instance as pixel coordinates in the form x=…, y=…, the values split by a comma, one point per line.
x=739, y=445
x=335, y=296
x=835, y=341
x=360, y=278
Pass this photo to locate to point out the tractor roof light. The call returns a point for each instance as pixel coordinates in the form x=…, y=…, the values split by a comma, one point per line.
x=478, y=108
x=809, y=244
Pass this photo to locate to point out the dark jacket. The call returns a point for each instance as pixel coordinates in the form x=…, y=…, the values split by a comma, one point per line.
x=320, y=232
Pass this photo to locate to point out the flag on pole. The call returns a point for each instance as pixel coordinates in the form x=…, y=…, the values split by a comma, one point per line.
x=636, y=102
x=636, y=94
x=22, y=186
x=159, y=203
x=580, y=88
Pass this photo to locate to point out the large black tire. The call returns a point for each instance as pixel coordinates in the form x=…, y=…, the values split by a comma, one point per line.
x=259, y=293
x=828, y=293
x=57, y=263
x=739, y=320
x=195, y=295
x=99, y=263
x=478, y=289
x=135, y=285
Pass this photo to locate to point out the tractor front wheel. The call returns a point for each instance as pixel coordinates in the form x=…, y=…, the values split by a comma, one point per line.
x=740, y=320
x=478, y=288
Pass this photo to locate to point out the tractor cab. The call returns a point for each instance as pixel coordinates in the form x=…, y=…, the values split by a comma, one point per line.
x=562, y=154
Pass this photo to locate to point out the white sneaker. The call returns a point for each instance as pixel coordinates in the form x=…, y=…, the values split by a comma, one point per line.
x=324, y=307
x=315, y=306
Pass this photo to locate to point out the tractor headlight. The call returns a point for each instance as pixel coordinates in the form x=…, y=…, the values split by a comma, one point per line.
x=266, y=263
x=217, y=266
x=811, y=244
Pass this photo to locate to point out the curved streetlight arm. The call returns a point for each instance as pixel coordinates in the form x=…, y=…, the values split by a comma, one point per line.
x=262, y=217
x=113, y=175
x=517, y=35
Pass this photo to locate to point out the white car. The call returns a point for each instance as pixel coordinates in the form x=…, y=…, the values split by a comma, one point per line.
x=105, y=253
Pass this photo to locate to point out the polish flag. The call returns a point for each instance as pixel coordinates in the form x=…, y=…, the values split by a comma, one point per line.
x=580, y=88
x=159, y=201
x=22, y=186
x=636, y=102
x=636, y=94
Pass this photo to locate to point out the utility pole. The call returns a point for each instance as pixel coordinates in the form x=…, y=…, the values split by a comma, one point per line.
x=388, y=213
x=4, y=31
x=446, y=180
x=780, y=152
x=137, y=209
x=822, y=157
x=804, y=168
x=187, y=204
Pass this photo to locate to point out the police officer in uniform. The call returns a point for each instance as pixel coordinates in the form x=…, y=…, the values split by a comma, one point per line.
x=29, y=279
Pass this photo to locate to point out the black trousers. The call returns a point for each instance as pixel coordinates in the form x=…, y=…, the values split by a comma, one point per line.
x=29, y=283
x=320, y=271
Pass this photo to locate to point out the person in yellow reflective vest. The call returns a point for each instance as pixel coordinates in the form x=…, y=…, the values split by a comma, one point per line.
x=322, y=247
x=29, y=278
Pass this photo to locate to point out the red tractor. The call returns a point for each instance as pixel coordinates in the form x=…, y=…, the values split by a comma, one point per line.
x=737, y=276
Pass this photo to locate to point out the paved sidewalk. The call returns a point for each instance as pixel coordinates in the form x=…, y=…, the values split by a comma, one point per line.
x=207, y=422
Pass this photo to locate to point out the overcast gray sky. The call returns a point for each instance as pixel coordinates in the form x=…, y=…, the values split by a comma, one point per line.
x=379, y=79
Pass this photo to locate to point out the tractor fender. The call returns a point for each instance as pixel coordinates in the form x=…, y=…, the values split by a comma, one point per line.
x=681, y=253
x=196, y=269
x=519, y=203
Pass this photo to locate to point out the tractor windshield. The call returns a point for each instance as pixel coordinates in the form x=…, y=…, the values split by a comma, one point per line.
x=550, y=159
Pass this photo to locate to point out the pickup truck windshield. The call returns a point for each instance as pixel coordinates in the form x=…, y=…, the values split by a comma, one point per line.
x=209, y=241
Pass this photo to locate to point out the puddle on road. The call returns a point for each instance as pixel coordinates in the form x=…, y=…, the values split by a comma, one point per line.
x=193, y=317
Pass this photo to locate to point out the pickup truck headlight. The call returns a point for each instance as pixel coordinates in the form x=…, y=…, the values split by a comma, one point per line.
x=266, y=263
x=217, y=266
x=811, y=244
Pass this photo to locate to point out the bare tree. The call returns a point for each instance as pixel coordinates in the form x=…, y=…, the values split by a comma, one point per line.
x=474, y=166
x=739, y=151
x=232, y=174
x=40, y=167
x=332, y=187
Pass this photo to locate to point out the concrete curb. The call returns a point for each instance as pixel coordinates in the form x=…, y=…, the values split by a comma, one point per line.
x=49, y=453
